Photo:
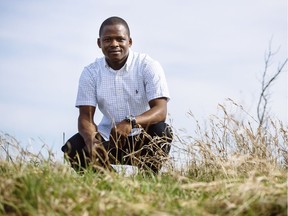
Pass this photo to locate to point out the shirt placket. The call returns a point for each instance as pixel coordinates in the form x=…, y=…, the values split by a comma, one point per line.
x=119, y=82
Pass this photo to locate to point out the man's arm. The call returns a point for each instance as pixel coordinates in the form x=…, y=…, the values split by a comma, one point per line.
x=156, y=113
x=86, y=126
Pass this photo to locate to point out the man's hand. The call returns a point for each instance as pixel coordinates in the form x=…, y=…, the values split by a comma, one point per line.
x=123, y=128
x=120, y=132
x=91, y=141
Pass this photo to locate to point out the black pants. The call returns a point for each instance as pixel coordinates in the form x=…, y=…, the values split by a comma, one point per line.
x=147, y=150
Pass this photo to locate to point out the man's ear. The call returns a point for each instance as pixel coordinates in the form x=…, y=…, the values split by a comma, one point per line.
x=99, y=42
x=130, y=42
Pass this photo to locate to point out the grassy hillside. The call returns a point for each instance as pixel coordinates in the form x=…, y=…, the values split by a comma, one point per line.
x=233, y=169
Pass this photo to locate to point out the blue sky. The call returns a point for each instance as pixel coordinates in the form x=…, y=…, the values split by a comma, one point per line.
x=210, y=50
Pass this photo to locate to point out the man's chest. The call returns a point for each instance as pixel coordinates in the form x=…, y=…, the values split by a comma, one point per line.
x=120, y=87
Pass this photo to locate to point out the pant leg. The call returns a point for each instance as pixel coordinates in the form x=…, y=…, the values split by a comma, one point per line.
x=75, y=151
x=164, y=132
x=152, y=147
x=147, y=150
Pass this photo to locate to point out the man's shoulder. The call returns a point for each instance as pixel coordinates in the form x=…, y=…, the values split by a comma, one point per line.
x=97, y=64
x=142, y=58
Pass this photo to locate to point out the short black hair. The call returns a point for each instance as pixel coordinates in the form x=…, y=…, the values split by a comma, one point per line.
x=114, y=20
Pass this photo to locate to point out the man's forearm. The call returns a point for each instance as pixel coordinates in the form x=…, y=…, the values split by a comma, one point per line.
x=87, y=130
x=156, y=113
x=150, y=117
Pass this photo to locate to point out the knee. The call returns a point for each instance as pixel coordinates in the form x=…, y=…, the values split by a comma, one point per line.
x=161, y=129
x=73, y=145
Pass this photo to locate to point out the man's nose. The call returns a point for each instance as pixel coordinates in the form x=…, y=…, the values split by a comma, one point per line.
x=114, y=43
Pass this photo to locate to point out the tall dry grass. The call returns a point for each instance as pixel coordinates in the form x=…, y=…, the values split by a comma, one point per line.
x=241, y=164
x=234, y=139
x=234, y=167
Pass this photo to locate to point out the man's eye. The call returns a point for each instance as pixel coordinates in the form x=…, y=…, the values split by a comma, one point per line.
x=107, y=40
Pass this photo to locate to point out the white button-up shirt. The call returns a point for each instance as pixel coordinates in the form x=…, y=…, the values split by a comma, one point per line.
x=119, y=93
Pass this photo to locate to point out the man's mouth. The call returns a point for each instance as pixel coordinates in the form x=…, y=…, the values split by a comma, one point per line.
x=114, y=51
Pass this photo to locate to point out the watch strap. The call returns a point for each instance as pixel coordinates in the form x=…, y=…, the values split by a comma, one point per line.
x=131, y=119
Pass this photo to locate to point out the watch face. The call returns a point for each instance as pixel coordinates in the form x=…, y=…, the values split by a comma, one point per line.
x=132, y=120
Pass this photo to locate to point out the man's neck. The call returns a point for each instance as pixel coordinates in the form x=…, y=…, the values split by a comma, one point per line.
x=117, y=65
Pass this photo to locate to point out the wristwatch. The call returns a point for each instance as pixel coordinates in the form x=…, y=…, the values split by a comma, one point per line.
x=131, y=119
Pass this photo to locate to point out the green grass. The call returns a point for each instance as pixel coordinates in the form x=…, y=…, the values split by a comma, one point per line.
x=233, y=169
x=54, y=189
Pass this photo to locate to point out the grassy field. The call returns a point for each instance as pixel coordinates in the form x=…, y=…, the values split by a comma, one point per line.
x=233, y=169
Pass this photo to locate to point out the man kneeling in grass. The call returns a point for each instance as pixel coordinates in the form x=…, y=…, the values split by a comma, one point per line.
x=131, y=91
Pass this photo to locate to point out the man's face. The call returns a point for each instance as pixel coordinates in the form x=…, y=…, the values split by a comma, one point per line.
x=115, y=42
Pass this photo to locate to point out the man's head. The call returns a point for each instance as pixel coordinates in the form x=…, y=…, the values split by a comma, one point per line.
x=114, y=40
x=114, y=21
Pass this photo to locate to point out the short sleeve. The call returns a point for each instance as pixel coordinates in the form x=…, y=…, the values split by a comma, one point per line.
x=155, y=80
x=87, y=95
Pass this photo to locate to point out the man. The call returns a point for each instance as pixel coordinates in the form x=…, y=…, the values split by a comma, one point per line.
x=130, y=90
